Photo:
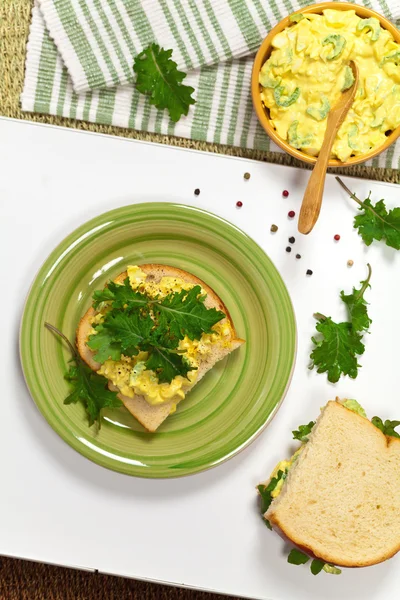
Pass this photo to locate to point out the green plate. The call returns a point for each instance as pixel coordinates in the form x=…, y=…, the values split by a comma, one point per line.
x=231, y=405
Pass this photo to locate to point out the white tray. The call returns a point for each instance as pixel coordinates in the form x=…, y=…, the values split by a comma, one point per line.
x=202, y=531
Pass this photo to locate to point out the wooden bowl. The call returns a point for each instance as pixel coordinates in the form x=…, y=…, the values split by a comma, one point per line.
x=263, y=54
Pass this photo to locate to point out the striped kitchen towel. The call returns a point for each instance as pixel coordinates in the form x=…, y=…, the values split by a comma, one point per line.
x=80, y=55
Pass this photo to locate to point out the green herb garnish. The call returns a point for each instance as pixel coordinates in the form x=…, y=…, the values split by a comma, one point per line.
x=316, y=566
x=375, y=222
x=159, y=78
x=296, y=557
x=387, y=427
x=88, y=387
x=135, y=322
x=303, y=432
x=339, y=344
x=266, y=494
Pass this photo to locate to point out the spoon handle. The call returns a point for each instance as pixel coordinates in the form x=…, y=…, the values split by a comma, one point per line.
x=312, y=200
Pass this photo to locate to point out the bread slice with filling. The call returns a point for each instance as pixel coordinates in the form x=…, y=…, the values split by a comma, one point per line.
x=341, y=499
x=148, y=415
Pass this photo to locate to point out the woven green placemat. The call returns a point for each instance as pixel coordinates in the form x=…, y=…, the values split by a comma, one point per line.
x=14, y=26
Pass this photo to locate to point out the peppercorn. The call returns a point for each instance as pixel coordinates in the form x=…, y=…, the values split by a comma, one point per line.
x=291, y=214
x=288, y=249
x=285, y=193
x=298, y=255
x=239, y=204
x=309, y=272
x=246, y=175
x=292, y=240
x=336, y=237
x=350, y=263
x=197, y=192
x=274, y=228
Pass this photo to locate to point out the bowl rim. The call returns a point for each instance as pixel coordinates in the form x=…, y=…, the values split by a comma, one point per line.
x=262, y=56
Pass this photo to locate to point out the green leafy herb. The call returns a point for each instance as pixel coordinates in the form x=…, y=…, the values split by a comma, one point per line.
x=266, y=494
x=121, y=296
x=88, y=387
x=159, y=78
x=303, y=432
x=297, y=558
x=357, y=306
x=316, y=566
x=135, y=322
x=167, y=364
x=336, y=352
x=376, y=222
x=339, y=344
x=185, y=314
x=387, y=427
x=91, y=389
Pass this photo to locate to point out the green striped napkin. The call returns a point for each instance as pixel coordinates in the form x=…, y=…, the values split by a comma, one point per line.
x=80, y=55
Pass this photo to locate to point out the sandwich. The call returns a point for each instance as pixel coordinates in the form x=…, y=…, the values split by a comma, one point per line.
x=337, y=499
x=153, y=333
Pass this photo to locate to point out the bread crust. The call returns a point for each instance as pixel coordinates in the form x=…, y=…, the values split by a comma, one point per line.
x=148, y=415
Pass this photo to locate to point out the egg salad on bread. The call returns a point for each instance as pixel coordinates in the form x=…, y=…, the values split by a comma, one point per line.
x=153, y=333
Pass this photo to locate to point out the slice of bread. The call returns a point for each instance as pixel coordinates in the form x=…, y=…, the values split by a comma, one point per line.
x=148, y=415
x=341, y=500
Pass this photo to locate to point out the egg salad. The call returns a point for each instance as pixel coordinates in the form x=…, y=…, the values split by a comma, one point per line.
x=130, y=374
x=309, y=68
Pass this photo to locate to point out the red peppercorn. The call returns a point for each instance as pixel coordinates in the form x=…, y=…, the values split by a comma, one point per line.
x=285, y=193
x=291, y=214
x=336, y=237
x=239, y=204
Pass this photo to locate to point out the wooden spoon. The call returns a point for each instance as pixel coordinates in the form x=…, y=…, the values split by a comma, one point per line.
x=312, y=200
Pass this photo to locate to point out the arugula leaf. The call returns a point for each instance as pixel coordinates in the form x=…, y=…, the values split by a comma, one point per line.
x=129, y=330
x=88, y=387
x=387, y=427
x=91, y=389
x=375, y=222
x=336, y=353
x=100, y=296
x=316, y=566
x=339, y=344
x=104, y=345
x=167, y=364
x=121, y=296
x=357, y=306
x=297, y=558
x=185, y=314
x=303, y=432
x=158, y=78
x=266, y=494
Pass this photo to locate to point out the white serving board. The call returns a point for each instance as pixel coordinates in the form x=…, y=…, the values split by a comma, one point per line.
x=202, y=531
